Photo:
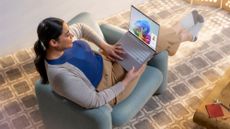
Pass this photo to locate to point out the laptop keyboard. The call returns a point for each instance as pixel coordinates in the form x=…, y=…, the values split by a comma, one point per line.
x=137, y=50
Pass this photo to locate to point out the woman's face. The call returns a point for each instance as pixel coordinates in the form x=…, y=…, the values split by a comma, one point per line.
x=65, y=39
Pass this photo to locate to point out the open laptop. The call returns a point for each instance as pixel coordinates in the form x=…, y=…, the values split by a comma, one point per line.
x=140, y=41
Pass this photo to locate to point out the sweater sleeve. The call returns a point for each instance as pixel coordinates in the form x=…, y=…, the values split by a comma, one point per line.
x=81, y=30
x=76, y=90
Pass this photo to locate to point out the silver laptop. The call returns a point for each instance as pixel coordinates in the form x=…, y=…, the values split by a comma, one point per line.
x=140, y=41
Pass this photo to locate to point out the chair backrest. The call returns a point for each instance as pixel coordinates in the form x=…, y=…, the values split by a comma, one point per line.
x=59, y=113
x=88, y=19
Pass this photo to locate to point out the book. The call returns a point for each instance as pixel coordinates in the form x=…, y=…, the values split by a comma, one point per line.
x=214, y=110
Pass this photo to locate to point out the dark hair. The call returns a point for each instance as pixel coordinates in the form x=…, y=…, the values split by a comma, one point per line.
x=49, y=28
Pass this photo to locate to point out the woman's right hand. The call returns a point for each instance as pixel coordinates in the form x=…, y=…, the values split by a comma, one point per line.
x=133, y=74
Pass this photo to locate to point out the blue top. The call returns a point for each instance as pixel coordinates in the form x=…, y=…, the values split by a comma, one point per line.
x=82, y=57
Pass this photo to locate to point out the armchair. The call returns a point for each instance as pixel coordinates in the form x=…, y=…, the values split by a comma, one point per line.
x=60, y=113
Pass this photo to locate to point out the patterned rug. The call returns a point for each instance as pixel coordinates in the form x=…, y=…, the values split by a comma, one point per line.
x=192, y=73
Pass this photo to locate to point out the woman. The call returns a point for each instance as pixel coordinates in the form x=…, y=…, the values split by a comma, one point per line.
x=81, y=75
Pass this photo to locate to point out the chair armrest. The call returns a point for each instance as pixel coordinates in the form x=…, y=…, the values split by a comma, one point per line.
x=59, y=113
x=111, y=33
x=147, y=85
x=160, y=61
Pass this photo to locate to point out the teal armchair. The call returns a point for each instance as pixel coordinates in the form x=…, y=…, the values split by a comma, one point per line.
x=60, y=113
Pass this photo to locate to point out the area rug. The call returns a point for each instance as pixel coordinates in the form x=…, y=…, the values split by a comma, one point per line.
x=192, y=72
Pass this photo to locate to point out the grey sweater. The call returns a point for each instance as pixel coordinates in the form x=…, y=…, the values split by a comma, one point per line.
x=71, y=83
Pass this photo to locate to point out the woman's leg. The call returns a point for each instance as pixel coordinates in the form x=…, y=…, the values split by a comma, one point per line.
x=186, y=29
x=171, y=38
x=118, y=74
x=112, y=74
x=106, y=81
x=168, y=40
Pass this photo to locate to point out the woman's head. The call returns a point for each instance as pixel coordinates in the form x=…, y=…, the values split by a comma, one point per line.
x=49, y=31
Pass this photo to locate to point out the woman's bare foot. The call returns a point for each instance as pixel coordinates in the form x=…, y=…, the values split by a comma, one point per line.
x=178, y=28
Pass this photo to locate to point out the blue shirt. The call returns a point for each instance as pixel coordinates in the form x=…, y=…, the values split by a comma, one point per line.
x=82, y=57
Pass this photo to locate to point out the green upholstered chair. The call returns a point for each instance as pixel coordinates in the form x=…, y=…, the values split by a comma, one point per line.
x=60, y=113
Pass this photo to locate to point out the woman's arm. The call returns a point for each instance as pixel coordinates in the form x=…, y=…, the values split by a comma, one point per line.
x=77, y=90
x=113, y=52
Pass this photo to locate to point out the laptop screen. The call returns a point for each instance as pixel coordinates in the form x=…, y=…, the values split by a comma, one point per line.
x=144, y=28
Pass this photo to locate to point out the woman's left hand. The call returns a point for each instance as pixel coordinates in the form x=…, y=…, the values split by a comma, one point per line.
x=114, y=52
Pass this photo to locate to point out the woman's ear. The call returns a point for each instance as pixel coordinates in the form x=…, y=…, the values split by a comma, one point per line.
x=53, y=43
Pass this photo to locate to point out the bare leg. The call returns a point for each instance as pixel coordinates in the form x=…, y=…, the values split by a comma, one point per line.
x=183, y=33
x=171, y=38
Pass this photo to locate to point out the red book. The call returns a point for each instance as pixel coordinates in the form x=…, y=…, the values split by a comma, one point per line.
x=214, y=110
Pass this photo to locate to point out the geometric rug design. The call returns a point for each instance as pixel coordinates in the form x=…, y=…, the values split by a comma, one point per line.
x=192, y=72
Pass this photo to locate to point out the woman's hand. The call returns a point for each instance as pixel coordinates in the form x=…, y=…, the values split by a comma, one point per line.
x=113, y=52
x=133, y=74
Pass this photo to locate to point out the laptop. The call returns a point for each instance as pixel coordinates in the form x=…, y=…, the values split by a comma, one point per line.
x=140, y=42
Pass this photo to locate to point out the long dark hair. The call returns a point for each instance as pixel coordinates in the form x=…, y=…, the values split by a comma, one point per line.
x=49, y=28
